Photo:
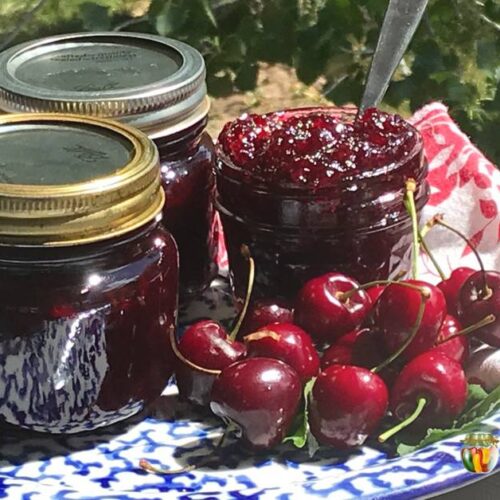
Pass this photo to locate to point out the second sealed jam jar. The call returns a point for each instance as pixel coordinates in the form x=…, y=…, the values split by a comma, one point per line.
x=313, y=190
x=89, y=279
x=153, y=83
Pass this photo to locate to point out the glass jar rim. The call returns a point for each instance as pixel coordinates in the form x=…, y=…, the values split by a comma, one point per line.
x=346, y=111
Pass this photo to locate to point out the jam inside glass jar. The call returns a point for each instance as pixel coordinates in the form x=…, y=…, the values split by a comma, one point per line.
x=83, y=331
x=186, y=161
x=313, y=190
x=89, y=286
x=155, y=84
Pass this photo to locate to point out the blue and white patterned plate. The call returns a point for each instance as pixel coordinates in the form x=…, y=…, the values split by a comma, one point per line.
x=105, y=464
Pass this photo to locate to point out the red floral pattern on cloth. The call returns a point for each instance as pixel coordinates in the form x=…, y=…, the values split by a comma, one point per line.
x=465, y=188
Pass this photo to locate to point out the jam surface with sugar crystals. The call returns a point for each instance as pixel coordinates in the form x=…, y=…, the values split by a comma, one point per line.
x=315, y=149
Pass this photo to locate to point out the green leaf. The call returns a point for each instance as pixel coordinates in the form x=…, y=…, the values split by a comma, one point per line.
x=171, y=17
x=233, y=50
x=308, y=68
x=220, y=84
x=95, y=17
x=470, y=420
x=309, y=11
x=300, y=433
x=246, y=77
x=347, y=90
x=205, y=5
x=482, y=408
x=475, y=395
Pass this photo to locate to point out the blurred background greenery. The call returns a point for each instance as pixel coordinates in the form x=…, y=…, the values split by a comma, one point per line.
x=325, y=44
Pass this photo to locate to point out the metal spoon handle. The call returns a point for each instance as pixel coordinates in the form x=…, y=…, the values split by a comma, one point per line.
x=400, y=22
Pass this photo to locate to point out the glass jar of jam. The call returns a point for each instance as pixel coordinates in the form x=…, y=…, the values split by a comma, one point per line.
x=89, y=279
x=312, y=191
x=153, y=83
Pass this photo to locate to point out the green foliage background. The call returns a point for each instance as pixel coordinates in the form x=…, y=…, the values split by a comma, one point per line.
x=454, y=56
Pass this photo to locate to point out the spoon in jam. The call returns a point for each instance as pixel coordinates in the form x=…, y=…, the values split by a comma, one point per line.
x=400, y=22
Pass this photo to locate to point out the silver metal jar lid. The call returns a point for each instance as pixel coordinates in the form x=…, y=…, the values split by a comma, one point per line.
x=147, y=81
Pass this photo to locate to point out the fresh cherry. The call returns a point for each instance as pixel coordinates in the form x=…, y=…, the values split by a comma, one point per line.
x=361, y=347
x=374, y=292
x=341, y=351
x=347, y=404
x=456, y=348
x=287, y=342
x=323, y=312
x=260, y=396
x=430, y=391
x=451, y=287
x=264, y=312
x=479, y=297
x=397, y=315
x=208, y=348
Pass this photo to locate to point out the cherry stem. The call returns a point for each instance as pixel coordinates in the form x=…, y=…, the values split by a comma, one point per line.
x=405, y=423
x=435, y=263
x=149, y=467
x=407, y=342
x=472, y=328
x=439, y=220
x=409, y=203
x=181, y=357
x=401, y=274
x=245, y=251
x=430, y=224
x=343, y=296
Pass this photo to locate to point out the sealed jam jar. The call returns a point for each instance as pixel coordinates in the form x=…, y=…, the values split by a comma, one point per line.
x=153, y=83
x=88, y=288
x=313, y=190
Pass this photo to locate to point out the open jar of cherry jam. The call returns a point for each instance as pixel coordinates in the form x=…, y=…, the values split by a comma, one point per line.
x=313, y=190
x=153, y=83
x=89, y=279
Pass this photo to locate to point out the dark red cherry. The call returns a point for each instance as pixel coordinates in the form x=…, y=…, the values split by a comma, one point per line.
x=287, y=342
x=451, y=287
x=477, y=301
x=396, y=315
x=362, y=347
x=456, y=348
x=323, y=312
x=438, y=379
x=347, y=404
x=260, y=396
x=341, y=351
x=264, y=312
x=205, y=344
x=374, y=292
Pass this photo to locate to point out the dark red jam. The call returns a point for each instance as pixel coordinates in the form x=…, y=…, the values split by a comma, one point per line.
x=314, y=190
x=84, y=330
x=316, y=149
x=187, y=161
x=156, y=85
